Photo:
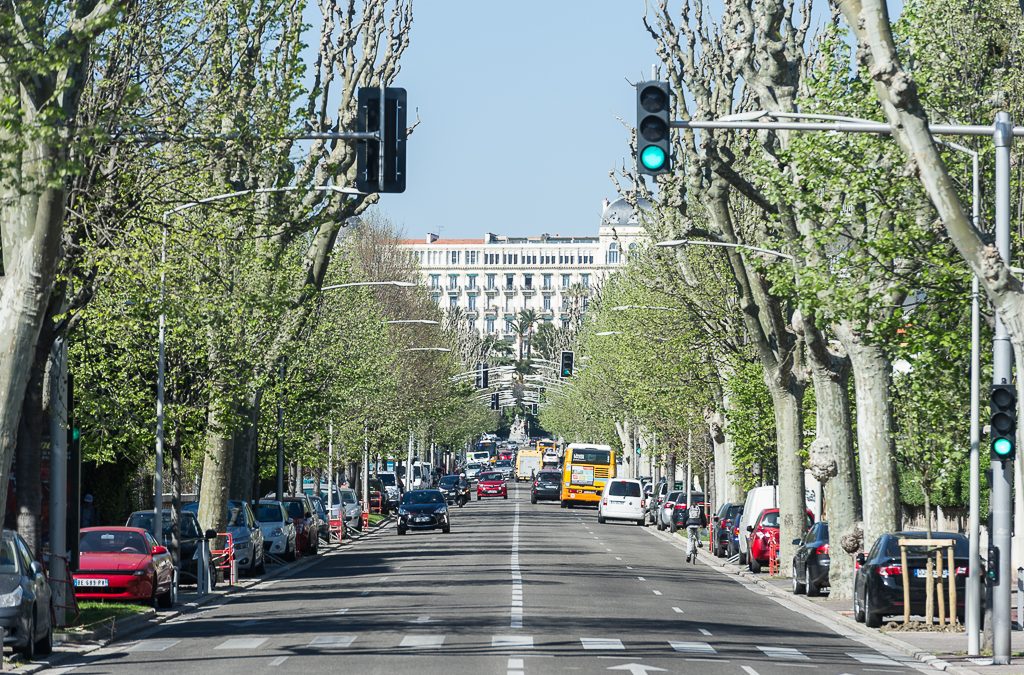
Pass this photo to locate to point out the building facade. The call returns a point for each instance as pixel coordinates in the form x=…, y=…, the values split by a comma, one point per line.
x=492, y=279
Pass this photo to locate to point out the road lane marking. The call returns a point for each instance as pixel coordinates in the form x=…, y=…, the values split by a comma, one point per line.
x=704, y=631
x=242, y=643
x=333, y=641
x=872, y=659
x=601, y=643
x=512, y=642
x=629, y=567
x=641, y=579
x=341, y=611
x=516, y=608
x=278, y=661
x=515, y=663
x=784, y=653
x=423, y=641
x=656, y=592
x=153, y=645
x=749, y=671
x=677, y=610
x=693, y=647
x=366, y=592
x=618, y=557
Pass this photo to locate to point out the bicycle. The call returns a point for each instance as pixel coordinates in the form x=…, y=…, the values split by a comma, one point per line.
x=694, y=544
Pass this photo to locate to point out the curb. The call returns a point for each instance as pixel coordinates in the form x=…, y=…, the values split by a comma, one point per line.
x=154, y=619
x=822, y=615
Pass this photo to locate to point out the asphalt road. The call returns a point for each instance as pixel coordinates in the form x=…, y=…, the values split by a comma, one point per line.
x=515, y=588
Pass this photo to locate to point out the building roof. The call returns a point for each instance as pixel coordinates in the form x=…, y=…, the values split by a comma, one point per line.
x=440, y=242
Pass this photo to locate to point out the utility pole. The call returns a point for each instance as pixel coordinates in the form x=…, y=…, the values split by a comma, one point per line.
x=280, y=436
x=59, y=424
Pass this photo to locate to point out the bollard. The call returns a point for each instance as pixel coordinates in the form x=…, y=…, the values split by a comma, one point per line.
x=203, y=569
x=1020, y=598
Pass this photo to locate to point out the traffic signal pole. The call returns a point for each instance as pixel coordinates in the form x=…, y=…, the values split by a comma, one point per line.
x=1001, y=500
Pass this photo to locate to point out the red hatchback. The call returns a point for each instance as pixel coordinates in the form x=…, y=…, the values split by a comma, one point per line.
x=491, y=484
x=124, y=563
x=763, y=533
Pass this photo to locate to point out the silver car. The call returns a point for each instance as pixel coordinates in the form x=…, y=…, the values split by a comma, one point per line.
x=353, y=509
x=278, y=529
x=24, y=598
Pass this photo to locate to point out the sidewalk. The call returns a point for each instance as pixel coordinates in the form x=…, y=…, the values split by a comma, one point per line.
x=941, y=651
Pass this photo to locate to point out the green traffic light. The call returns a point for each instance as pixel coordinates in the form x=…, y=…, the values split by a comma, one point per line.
x=76, y=433
x=652, y=157
x=1002, y=447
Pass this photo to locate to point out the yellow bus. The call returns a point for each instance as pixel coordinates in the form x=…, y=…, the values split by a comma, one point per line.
x=585, y=469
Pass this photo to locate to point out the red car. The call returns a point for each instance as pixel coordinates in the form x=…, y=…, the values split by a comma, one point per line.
x=124, y=563
x=762, y=533
x=491, y=484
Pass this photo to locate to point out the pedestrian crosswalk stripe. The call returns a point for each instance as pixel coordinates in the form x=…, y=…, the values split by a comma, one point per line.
x=423, y=641
x=152, y=645
x=601, y=643
x=872, y=658
x=512, y=641
x=242, y=643
x=784, y=653
x=702, y=648
x=333, y=641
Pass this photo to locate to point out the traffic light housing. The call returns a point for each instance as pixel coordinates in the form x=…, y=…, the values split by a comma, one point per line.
x=494, y=401
x=481, y=375
x=1003, y=422
x=390, y=148
x=653, y=137
x=567, y=364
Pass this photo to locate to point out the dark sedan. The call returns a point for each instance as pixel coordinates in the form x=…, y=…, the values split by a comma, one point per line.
x=189, y=540
x=546, y=485
x=24, y=599
x=810, y=562
x=727, y=530
x=878, y=584
x=423, y=510
x=449, y=487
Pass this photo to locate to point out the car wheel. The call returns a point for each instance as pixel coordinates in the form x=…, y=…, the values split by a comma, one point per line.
x=754, y=565
x=561, y=504
x=506, y=496
x=798, y=587
x=661, y=527
x=166, y=600
x=743, y=558
x=858, y=614
x=533, y=499
x=871, y=619
x=447, y=529
x=262, y=567
x=812, y=588
x=642, y=522
x=45, y=644
x=401, y=531
x=478, y=497
x=600, y=519
x=29, y=650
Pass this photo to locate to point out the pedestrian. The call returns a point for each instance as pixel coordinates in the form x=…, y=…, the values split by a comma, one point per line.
x=88, y=514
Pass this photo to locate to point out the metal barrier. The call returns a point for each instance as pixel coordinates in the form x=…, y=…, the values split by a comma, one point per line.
x=224, y=558
x=336, y=529
x=773, y=557
x=70, y=604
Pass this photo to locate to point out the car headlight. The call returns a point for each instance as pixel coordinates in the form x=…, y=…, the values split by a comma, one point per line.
x=12, y=599
x=140, y=573
x=277, y=532
x=402, y=512
x=443, y=510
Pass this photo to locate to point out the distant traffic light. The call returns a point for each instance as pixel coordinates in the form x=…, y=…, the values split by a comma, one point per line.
x=494, y=401
x=1003, y=422
x=481, y=376
x=567, y=359
x=653, y=115
x=389, y=150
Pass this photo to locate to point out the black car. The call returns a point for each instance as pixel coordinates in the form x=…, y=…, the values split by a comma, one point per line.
x=423, y=510
x=878, y=584
x=727, y=530
x=449, y=487
x=679, y=513
x=546, y=485
x=810, y=562
x=26, y=608
x=189, y=541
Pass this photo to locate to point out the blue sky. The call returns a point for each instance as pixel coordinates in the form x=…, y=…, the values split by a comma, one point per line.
x=518, y=104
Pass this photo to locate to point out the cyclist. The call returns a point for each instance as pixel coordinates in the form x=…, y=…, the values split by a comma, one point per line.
x=695, y=521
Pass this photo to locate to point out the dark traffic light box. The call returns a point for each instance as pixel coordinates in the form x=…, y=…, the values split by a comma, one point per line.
x=390, y=148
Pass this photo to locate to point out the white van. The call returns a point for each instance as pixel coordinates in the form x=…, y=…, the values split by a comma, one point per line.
x=622, y=499
x=478, y=457
x=758, y=499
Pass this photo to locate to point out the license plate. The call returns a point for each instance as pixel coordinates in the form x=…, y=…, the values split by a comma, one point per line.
x=923, y=574
x=93, y=583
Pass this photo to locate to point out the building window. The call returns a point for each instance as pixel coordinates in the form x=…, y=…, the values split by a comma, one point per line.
x=453, y=301
x=585, y=280
x=489, y=322
x=435, y=281
x=472, y=323
x=471, y=257
x=453, y=280
x=528, y=281
x=565, y=281
x=490, y=280
x=547, y=281
x=472, y=281
x=472, y=302
x=508, y=303
x=613, y=254
x=508, y=325
x=547, y=303
x=510, y=280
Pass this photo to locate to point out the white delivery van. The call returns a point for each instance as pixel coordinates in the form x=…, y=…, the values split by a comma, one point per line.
x=758, y=499
x=622, y=499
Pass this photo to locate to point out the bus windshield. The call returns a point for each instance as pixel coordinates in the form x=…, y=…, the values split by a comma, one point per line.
x=588, y=456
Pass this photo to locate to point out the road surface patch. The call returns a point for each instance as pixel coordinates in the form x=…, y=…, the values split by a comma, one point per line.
x=601, y=643
x=512, y=642
x=872, y=659
x=423, y=641
x=242, y=643
x=153, y=645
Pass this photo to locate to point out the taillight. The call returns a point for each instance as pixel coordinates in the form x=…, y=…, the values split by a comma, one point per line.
x=605, y=501
x=643, y=503
x=890, y=570
x=680, y=507
x=535, y=484
x=823, y=549
x=961, y=571
x=736, y=531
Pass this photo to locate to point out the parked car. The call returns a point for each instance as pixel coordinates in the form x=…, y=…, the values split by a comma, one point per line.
x=190, y=539
x=756, y=501
x=311, y=489
x=663, y=516
x=677, y=518
x=277, y=527
x=25, y=600
x=726, y=529
x=124, y=563
x=307, y=525
x=505, y=467
x=378, y=502
x=423, y=510
x=622, y=499
x=546, y=485
x=324, y=527
x=658, y=494
x=878, y=582
x=392, y=488
x=246, y=536
x=491, y=484
x=352, y=508
x=810, y=562
x=762, y=534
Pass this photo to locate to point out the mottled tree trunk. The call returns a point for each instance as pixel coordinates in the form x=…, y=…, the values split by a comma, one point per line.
x=245, y=444
x=786, y=403
x=28, y=486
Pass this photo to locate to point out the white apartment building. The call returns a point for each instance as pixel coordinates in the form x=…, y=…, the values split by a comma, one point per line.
x=493, y=278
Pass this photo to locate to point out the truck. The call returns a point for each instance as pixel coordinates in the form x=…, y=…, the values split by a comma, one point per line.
x=528, y=462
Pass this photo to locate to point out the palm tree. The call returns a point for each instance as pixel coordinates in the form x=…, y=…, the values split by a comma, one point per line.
x=523, y=328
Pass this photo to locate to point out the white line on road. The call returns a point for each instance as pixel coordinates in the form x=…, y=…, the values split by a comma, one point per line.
x=629, y=567
x=656, y=592
x=677, y=610
x=333, y=641
x=515, y=663
x=641, y=579
x=341, y=611
x=279, y=660
x=241, y=643
x=873, y=659
x=153, y=645
x=618, y=557
x=423, y=641
x=704, y=631
x=516, y=610
x=784, y=653
x=601, y=643
x=748, y=670
x=512, y=642
x=693, y=647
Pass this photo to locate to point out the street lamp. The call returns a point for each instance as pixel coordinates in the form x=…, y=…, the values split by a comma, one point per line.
x=422, y=322
x=426, y=349
x=653, y=308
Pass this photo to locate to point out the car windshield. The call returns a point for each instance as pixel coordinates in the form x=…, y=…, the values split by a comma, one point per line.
x=348, y=497
x=892, y=549
x=423, y=497
x=549, y=477
x=295, y=510
x=449, y=481
x=387, y=479
x=622, y=488
x=8, y=556
x=588, y=456
x=118, y=541
x=490, y=476
x=269, y=513
x=770, y=519
x=675, y=496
